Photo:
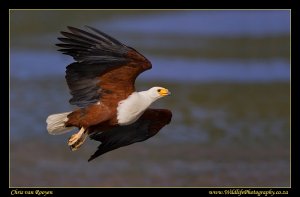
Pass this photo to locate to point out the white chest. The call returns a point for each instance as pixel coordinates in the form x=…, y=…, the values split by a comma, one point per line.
x=130, y=109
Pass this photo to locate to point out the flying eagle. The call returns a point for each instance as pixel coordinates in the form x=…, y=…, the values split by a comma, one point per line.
x=101, y=82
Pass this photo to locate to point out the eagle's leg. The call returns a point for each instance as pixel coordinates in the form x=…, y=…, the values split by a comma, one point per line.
x=77, y=139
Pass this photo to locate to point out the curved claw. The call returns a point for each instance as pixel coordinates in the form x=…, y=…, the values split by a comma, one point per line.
x=77, y=139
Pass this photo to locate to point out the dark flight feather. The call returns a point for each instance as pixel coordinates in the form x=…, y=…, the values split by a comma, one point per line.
x=145, y=127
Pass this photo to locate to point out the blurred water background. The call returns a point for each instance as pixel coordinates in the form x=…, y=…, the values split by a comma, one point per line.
x=229, y=74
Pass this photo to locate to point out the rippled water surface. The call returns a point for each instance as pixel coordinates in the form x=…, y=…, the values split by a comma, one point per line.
x=229, y=74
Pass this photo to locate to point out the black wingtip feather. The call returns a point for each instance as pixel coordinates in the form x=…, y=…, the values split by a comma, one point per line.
x=86, y=45
x=105, y=35
x=95, y=37
x=91, y=158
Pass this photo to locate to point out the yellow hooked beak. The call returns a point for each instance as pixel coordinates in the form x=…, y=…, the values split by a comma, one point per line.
x=164, y=92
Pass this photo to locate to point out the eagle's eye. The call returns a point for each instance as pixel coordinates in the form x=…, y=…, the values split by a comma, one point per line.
x=158, y=90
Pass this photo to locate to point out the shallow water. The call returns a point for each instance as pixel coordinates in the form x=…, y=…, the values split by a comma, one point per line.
x=218, y=137
x=229, y=76
x=186, y=70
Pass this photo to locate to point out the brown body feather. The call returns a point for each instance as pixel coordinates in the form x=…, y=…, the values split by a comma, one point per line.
x=116, y=85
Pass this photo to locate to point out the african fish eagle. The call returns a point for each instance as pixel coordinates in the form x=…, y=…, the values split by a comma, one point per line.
x=101, y=82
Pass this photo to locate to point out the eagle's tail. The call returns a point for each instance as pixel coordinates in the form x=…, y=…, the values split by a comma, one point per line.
x=56, y=124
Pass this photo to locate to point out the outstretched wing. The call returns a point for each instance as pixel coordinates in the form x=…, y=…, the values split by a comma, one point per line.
x=145, y=127
x=103, y=66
